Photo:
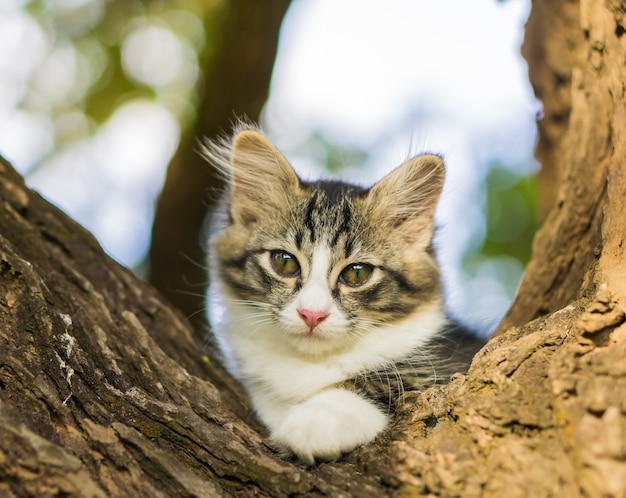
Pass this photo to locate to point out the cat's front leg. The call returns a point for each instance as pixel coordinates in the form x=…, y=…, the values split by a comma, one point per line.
x=328, y=424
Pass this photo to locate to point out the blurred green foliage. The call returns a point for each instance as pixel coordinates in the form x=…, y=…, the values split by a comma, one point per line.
x=332, y=156
x=102, y=90
x=511, y=211
x=107, y=53
x=511, y=219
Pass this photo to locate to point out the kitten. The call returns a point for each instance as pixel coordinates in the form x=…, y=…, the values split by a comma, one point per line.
x=325, y=297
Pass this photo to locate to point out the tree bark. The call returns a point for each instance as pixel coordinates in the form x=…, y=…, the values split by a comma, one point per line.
x=579, y=246
x=551, y=48
x=104, y=390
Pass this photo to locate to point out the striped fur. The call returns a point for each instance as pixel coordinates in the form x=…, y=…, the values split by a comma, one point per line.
x=325, y=387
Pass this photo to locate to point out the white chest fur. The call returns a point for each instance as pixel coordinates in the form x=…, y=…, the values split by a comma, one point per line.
x=293, y=393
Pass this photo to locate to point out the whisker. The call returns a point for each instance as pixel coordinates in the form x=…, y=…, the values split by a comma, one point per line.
x=193, y=261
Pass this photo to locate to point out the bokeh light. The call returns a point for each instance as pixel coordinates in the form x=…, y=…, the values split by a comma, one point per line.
x=92, y=134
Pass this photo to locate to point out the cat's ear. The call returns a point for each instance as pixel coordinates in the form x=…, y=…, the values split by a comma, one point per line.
x=404, y=201
x=262, y=181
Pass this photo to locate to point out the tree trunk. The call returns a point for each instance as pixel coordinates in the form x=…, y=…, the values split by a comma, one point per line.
x=582, y=139
x=236, y=72
x=105, y=392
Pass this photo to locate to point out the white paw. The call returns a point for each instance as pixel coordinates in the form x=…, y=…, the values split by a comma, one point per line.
x=327, y=425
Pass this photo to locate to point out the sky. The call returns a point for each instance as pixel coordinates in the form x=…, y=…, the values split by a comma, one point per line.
x=394, y=79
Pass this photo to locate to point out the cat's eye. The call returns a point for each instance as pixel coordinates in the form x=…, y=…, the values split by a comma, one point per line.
x=285, y=264
x=355, y=274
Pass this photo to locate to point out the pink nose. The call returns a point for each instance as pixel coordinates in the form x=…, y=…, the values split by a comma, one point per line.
x=312, y=318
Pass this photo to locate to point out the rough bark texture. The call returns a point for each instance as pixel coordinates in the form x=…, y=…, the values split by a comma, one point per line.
x=551, y=46
x=236, y=73
x=580, y=245
x=104, y=392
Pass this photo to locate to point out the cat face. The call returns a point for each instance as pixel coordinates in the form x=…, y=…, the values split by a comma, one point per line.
x=324, y=262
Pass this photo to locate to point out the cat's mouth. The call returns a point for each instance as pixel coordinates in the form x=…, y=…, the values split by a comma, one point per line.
x=313, y=335
x=319, y=337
